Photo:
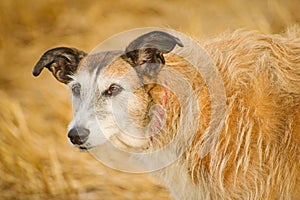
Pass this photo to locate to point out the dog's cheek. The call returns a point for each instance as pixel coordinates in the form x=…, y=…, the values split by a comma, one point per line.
x=138, y=109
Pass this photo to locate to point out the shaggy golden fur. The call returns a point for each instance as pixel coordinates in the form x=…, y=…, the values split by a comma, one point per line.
x=257, y=154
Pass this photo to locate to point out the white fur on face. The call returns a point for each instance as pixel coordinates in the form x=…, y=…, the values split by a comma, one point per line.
x=107, y=117
x=83, y=109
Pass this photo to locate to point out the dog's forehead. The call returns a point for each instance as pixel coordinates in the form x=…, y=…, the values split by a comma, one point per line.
x=104, y=68
x=95, y=62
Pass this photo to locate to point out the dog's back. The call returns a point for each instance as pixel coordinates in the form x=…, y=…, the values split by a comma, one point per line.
x=257, y=155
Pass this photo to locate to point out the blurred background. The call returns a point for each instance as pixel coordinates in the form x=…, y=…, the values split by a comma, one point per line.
x=36, y=161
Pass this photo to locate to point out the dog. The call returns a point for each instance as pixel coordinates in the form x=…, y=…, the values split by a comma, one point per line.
x=139, y=99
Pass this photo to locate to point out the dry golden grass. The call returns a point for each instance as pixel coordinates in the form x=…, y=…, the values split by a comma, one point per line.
x=36, y=159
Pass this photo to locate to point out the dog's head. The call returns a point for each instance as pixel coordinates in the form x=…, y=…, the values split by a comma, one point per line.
x=112, y=91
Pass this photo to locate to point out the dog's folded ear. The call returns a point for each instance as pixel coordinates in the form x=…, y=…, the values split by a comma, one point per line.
x=145, y=53
x=61, y=61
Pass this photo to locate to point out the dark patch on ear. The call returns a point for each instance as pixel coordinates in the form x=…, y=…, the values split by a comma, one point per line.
x=145, y=53
x=61, y=61
x=162, y=41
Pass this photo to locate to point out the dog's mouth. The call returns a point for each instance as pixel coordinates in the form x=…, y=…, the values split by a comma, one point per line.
x=84, y=148
x=125, y=143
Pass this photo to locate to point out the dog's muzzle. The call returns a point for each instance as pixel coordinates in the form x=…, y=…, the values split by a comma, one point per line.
x=78, y=135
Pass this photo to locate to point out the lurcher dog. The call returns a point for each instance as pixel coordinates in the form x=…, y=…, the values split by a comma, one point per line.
x=124, y=96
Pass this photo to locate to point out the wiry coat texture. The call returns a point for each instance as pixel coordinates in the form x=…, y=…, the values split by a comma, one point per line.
x=257, y=154
x=242, y=143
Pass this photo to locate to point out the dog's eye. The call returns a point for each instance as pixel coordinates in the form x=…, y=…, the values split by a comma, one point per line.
x=113, y=90
x=76, y=89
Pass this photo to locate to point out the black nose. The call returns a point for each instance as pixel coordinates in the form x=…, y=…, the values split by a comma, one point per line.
x=78, y=135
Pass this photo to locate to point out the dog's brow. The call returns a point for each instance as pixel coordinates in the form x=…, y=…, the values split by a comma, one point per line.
x=97, y=61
